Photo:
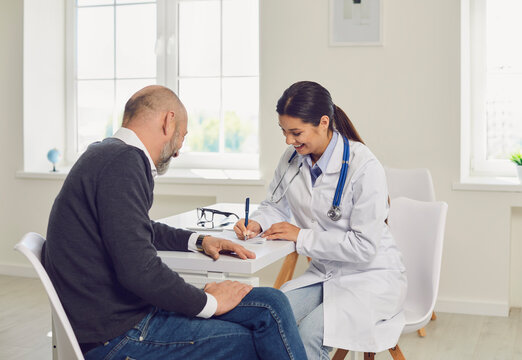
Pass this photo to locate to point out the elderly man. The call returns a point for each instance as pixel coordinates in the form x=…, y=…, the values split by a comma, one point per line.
x=101, y=255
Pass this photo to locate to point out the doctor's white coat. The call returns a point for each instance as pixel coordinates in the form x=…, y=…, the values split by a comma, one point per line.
x=356, y=259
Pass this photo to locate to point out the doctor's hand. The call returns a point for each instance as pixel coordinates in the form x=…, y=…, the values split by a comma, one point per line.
x=212, y=246
x=252, y=230
x=228, y=294
x=283, y=231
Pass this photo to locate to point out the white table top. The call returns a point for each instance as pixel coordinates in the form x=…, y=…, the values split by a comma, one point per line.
x=266, y=253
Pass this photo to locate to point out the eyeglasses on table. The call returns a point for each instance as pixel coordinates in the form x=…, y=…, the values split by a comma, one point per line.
x=207, y=218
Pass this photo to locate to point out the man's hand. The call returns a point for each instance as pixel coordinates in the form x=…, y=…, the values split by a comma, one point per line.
x=213, y=246
x=228, y=294
x=282, y=231
x=252, y=230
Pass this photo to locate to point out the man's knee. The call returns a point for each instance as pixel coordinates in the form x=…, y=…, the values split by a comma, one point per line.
x=273, y=298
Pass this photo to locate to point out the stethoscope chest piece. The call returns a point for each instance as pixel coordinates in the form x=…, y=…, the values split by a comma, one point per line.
x=334, y=213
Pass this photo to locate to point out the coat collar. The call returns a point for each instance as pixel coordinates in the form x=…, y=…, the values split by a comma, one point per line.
x=335, y=163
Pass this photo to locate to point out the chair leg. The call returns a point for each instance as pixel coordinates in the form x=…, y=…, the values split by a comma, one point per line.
x=396, y=353
x=422, y=331
x=287, y=270
x=340, y=354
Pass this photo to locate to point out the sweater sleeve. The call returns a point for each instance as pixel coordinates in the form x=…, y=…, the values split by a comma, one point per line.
x=169, y=238
x=123, y=199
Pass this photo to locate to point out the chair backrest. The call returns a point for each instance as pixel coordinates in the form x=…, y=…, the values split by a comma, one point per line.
x=411, y=183
x=418, y=229
x=67, y=346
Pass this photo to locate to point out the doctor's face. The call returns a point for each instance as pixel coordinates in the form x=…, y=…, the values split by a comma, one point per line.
x=306, y=138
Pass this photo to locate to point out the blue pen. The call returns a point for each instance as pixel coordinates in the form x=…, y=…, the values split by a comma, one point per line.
x=247, y=209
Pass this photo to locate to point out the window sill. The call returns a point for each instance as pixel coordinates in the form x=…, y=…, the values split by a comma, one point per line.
x=494, y=184
x=42, y=175
x=211, y=176
x=173, y=176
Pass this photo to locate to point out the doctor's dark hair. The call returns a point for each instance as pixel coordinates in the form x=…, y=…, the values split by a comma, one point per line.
x=309, y=101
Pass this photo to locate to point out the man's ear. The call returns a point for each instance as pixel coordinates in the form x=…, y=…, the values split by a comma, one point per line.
x=168, y=123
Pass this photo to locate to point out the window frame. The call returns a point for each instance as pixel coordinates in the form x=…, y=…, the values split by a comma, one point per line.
x=473, y=89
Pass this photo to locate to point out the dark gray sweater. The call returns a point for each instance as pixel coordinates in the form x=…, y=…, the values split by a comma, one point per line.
x=101, y=246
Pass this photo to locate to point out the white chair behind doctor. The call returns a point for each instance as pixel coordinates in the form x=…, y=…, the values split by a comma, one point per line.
x=415, y=184
x=67, y=347
x=411, y=183
x=418, y=228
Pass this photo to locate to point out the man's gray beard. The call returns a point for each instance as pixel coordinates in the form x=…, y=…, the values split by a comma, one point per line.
x=163, y=166
x=165, y=157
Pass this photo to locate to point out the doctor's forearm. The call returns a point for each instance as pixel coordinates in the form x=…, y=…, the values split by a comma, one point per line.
x=349, y=247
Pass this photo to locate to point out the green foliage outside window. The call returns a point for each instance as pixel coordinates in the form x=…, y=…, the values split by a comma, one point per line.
x=203, y=133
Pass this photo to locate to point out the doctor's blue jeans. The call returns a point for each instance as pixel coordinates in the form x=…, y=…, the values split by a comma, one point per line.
x=262, y=326
x=307, y=305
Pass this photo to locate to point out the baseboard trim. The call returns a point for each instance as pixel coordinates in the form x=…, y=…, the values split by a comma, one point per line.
x=18, y=270
x=472, y=307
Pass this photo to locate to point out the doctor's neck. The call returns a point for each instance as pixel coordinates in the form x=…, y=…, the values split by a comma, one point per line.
x=316, y=155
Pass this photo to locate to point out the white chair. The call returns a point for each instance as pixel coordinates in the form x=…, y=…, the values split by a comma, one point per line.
x=67, y=346
x=414, y=184
x=418, y=228
x=411, y=183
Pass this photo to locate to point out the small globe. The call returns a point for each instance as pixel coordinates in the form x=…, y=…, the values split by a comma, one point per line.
x=54, y=155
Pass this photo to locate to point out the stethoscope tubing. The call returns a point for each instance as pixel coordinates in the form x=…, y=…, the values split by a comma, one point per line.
x=334, y=210
x=344, y=172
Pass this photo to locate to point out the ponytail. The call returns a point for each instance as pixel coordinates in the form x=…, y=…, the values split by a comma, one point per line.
x=344, y=125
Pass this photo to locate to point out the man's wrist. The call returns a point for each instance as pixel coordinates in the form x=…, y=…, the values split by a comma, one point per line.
x=210, y=307
x=199, y=242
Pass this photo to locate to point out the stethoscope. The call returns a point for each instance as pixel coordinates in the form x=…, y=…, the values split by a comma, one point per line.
x=334, y=212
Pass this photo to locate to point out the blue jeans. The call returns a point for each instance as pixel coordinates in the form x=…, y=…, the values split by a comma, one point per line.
x=307, y=305
x=262, y=326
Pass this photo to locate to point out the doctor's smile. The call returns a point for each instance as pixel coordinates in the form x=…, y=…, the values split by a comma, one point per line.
x=305, y=138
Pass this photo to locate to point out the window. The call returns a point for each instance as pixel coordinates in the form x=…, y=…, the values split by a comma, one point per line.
x=205, y=50
x=114, y=57
x=494, y=63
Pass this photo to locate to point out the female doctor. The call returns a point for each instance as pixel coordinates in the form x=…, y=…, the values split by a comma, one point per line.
x=330, y=183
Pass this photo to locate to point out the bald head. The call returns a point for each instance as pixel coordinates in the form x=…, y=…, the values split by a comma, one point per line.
x=159, y=119
x=149, y=101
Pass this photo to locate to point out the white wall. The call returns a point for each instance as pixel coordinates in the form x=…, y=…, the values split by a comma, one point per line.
x=403, y=98
x=43, y=64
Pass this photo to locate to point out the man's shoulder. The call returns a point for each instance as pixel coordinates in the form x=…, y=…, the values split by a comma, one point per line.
x=113, y=151
x=110, y=155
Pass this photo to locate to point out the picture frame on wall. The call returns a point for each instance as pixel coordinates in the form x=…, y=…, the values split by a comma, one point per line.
x=355, y=22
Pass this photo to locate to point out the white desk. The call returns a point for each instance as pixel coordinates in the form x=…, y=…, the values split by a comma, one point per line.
x=198, y=269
